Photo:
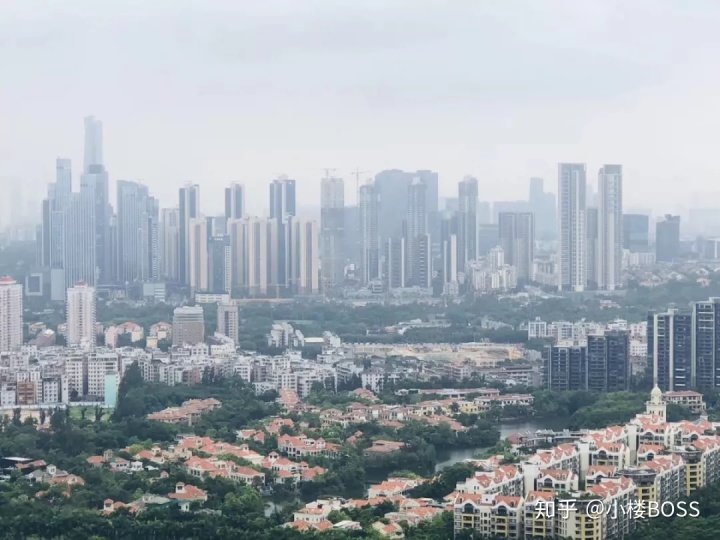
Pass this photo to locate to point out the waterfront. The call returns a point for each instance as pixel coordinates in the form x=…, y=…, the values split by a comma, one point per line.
x=507, y=428
x=450, y=457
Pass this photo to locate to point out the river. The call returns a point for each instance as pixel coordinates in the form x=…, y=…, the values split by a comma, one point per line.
x=507, y=428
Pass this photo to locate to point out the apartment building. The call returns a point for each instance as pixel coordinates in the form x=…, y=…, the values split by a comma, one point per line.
x=490, y=515
x=505, y=480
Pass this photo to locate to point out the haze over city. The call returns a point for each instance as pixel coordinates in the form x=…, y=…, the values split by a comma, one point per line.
x=222, y=92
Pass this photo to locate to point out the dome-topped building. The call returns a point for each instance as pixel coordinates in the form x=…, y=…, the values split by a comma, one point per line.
x=656, y=406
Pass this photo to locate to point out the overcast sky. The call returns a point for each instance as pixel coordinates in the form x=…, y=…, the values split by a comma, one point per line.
x=216, y=91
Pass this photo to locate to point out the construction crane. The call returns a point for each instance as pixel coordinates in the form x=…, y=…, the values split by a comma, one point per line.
x=328, y=172
x=357, y=172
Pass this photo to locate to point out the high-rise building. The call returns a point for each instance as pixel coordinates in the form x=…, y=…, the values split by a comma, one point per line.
x=332, y=235
x=610, y=223
x=234, y=201
x=95, y=180
x=636, y=232
x=282, y=198
x=565, y=367
x=53, y=215
x=467, y=223
x=571, y=190
x=667, y=239
x=228, y=321
x=79, y=245
x=705, y=372
x=669, y=349
x=369, y=237
x=188, y=325
x=189, y=208
x=304, y=255
x=219, y=263
x=168, y=240
x=80, y=310
x=449, y=247
x=11, y=314
x=392, y=188
x=395, y=259
x=488, y=237
x=352, y=234
x=608, y=360
x=517, y=239
x=137, y=233
x=417, y=228
x=249, y=255
x=592, y=248
x=422, y=275
x=198, y=265
x=93, y=143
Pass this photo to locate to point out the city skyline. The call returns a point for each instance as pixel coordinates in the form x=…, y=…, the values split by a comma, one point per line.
x=242, y=122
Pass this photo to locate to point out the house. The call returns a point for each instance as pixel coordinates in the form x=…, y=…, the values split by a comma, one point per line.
x=95, y=461
x=381, y=448
x=185, y=495
x=393, y=530
x=392, y=487
x=302, y=446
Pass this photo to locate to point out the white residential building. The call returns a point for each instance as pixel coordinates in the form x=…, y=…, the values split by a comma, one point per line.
x=80, y=309
x=11, y=314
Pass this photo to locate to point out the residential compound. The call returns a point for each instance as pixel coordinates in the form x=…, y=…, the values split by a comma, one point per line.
x=647, y=462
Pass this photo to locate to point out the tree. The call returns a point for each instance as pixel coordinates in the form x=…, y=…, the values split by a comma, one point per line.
x=129, y=403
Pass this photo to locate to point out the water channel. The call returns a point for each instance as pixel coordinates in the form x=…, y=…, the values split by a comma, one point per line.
x=450, y=457
x=507, y=428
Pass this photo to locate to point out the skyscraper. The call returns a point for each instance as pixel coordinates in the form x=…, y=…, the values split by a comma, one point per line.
x=705, y=372
x=249, y=255
x=369, y=237
x=79, y=245
x=449, y=247
x=168, y=240
x=11, y=314
x=96, y=179
x=189, y=208
x=304, y=257
x=392, y=188
x=667, y=239
x=228, y=321
x=80, y=310
x=198, y=266
x=219, y=261
x=517, y=238
x=93, y=143
x=395, y=258
x=137, y=230
x=282, y=198
x=571, y=190
x=235, y=201
x=610, y=223
x=669, y=349
x=608, y=362
x=636, y=232
x=592, y=248
x=467, y=225
x=53, y=215
x=332, y=235
x=422, y=275
x=417, y=228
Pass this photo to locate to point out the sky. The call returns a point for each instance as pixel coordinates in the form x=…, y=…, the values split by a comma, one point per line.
x=221, y=91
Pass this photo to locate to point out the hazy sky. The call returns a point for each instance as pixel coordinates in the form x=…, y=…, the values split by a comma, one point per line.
x=215, y=91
